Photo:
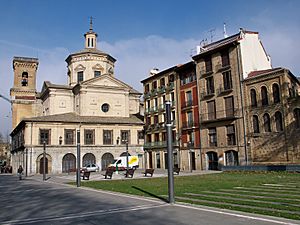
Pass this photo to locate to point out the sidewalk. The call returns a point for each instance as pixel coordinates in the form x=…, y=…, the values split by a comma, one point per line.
x=98, y=176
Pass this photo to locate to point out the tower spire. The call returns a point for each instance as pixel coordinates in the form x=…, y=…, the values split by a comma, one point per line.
x=91, y=23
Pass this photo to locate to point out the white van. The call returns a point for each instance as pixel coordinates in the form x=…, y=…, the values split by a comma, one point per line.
x=120, y=162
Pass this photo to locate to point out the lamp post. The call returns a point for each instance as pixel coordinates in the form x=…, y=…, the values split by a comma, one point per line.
x=78, y=159
x=191, y=160
x=127, y=166
x=44, y=160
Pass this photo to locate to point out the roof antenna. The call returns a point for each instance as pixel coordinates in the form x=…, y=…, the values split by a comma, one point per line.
x=212, y=31
x=224, y=31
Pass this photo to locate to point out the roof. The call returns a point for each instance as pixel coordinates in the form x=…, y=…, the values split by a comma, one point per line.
x=92, y=51
x=221, y=43
x=260, y=72
x=59, y=86
x=75, y=118
x=159, y=74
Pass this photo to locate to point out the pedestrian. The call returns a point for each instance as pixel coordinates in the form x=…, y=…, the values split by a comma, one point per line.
x=20, y=171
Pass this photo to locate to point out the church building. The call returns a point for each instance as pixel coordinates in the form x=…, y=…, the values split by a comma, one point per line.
x=104, y=109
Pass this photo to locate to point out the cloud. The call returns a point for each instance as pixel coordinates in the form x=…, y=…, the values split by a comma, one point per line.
x=136, y=57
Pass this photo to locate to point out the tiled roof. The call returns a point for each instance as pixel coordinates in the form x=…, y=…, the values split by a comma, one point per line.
x=74, y=118
x=59, y=86
x=260, y=72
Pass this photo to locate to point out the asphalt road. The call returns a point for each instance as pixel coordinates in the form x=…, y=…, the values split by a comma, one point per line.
x=35, y=202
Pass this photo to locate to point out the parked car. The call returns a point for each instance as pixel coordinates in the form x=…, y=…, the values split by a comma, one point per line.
x=91, y=167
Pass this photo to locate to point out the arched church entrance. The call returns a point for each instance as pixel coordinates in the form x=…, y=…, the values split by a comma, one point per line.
x=40, y=164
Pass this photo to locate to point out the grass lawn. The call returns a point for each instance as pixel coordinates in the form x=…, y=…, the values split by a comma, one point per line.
x=198, y=184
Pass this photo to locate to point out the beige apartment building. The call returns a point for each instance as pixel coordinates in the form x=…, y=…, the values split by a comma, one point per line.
x=104, y=109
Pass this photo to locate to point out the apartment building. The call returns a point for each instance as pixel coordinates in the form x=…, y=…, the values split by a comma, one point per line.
x=160, y=87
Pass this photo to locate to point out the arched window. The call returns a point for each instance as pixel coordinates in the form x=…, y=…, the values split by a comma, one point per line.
x=253, y=98
x=255, y=124
x=264, y=96
x=276, y=94
x=267, y=122
x=297, y=117
x=278, y=121
x=24, y=80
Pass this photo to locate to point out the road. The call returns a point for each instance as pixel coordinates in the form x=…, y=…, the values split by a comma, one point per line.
x=31, y=201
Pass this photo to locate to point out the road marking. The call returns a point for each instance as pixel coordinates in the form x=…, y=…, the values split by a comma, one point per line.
x=82, y=215
x=236, y=215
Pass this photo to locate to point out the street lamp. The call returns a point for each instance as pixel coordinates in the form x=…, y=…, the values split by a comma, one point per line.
x=44, y=160
x=191, y=160
x=127, y=164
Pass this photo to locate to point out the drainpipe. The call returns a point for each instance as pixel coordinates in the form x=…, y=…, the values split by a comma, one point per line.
x=242, y=102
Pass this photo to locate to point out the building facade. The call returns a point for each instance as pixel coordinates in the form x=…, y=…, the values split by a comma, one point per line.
x=273, y=116
x=94, y=103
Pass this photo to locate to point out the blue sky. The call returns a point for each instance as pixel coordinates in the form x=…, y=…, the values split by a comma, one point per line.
x=140, y=34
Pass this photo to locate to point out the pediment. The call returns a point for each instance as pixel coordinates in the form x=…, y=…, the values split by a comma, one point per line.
x=80, y=67
x=107, y=81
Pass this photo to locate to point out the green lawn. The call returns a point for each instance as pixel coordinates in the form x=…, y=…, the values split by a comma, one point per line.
x=198, y=184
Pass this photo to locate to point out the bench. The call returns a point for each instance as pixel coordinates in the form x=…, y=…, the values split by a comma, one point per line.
x=129, y=172
x=149, y=171
x=108, y=173
x=176, y=170
x=85, y=175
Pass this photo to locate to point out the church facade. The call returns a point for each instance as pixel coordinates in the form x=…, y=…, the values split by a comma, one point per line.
x=103, y=109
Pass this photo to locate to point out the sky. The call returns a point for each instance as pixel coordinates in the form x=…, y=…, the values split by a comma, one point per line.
x=140, y=34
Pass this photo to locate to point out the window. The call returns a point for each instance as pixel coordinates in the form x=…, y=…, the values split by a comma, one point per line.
x=253, y=98
x=154, y=85
x=189, y=98
x=97, y=73
x=173, y=115
x=297, y=117
x=255, y=124
x=107, y=137
x=211, y=107
x=156, y=119
x=278, y=121
x=69, y=136
x=79, y=76
x=125, y=136
x=230, y=135
x=276, y=94
x=208, y=64
x=45, y=136
x=171, y=78
x=229, y=106
x=146, y=88
x=162, y=82
x=156, y=137
x=89, y=137
x=148, y=121
x=264, y=96
x=158, y=160
x=191, y=138
x=227, y=80
x=225, y=58
x=267, y=122
x=105, y=107
x=190, y=118
x=24, y=80
x=140, y=135
x=212, y=133
x=210, y=87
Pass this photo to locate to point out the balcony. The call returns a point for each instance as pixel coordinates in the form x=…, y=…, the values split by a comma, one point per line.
x=204, y=72
x=224, y=90
x=154, y=109
x=219, y=67
x=190, y=125
x=158, y=144
x=161, y=108
x=162, y=89
x=147, y=111
x=207, y=94
x=187, y=104
x=153, y=92
x=170, y=86
x=147, y=95
x=229, y=114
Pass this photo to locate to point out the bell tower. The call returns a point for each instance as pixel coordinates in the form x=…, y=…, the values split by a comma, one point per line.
x=91, y=37
x=23, y=93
